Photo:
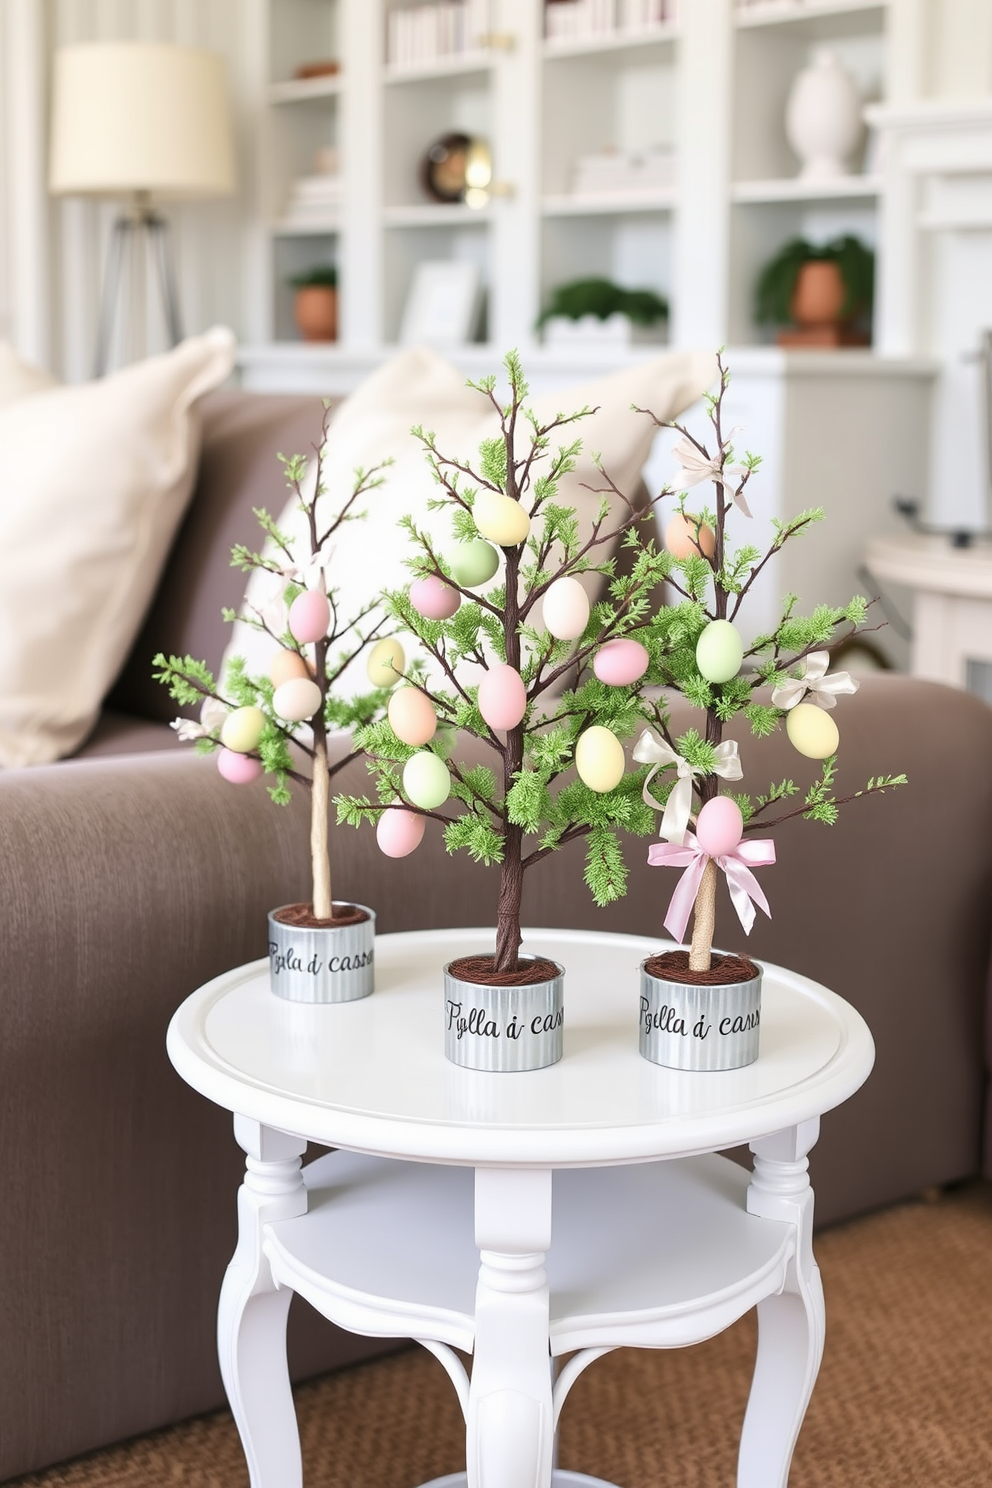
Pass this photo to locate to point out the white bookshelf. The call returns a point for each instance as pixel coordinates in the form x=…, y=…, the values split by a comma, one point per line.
x=709, y=82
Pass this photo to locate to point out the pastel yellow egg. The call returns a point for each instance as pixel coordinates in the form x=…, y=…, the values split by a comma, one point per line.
x=285, y=665
x=812, y=731
x=386, y=662
x=297, y=699
x=565, y=609
x=599, y=759
x=242, y=729
x=719, y=651
x=426, y=781
x=411, y=716
x=500, y=518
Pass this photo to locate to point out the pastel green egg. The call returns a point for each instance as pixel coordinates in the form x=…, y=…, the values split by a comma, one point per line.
x=426, y=781
x=242, y=729
x=719, y=651
x=472, y=563
x=812, y=731
x=599, y=758
x=500, y=518
x=386, y=662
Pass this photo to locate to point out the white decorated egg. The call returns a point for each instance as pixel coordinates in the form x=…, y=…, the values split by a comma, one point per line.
x=500, y=518
x=426, y=781
x=473, y=563
x=719, y=651
x=681, y=538
x=433, y=598
x=386, y=662
x=502, y=697
x=399, y=832
x=297, y=699
x=242, y=729
x=411, y=716
x=565, y=609
x=620, y=663
x=239, y=769
x=309, y=616
x=812, y=731
x=285, y=665
x=719, y=826
x=599, y=758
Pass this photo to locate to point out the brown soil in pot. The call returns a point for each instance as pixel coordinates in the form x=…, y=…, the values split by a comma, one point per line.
x=673, y=966
x=479, y=969
x=302, y=917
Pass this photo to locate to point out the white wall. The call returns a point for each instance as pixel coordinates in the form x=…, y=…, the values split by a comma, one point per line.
x=52, y=252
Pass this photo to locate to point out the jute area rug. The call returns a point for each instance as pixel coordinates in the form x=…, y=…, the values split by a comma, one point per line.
x=904, y=1397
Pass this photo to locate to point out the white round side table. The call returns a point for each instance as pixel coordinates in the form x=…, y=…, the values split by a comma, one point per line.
x=564, y=1211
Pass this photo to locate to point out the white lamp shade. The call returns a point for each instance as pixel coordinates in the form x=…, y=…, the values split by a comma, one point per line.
x=136, y=116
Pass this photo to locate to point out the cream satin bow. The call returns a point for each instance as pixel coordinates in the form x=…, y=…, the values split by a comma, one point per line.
x=650, y=750
x=825, y=689
x=696, y=467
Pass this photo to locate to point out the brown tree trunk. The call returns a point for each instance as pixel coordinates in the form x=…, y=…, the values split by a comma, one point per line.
x=320, y=856
x=511, y=882
x=704, y=920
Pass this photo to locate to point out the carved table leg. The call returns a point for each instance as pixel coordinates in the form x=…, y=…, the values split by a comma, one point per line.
x=251, y=1318
x=791, y=1324
x=510, y=1422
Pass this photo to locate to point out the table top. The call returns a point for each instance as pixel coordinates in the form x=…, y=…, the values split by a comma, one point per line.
x=371, y=1075
x=927, y=561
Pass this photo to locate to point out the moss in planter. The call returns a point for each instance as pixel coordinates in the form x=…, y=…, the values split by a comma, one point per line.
x=603, y=298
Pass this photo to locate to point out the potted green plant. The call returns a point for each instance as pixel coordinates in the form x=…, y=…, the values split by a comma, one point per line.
x=822, y=293
x=315, y=303
x=322, y=950
x=598, y=309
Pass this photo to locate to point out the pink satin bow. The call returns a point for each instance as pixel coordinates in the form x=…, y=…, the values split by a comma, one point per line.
x=741, y=881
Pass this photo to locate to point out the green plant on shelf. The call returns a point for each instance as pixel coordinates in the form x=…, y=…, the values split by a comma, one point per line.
x=602, y=298
x=776, y=286
x=318, y=276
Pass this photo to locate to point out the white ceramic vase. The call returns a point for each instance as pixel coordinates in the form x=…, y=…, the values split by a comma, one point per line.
x=823, y=121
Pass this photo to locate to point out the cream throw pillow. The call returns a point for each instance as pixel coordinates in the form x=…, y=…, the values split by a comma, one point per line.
x=19, y=379
x=93, y=482
x=420, y=387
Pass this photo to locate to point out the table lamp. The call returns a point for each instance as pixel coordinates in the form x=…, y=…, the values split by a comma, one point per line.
x=141, y=121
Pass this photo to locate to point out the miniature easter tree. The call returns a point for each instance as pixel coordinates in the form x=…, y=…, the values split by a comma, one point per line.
x=701, y=654
x=279, y=724
x=552, y=725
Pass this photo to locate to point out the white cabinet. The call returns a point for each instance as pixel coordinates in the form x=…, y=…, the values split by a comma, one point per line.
x=701, y=190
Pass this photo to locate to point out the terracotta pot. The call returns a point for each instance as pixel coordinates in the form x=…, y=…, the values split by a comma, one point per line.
x=819, y=294
x=316, y=312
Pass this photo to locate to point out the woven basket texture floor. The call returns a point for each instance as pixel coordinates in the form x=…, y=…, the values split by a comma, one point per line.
x=904, y=1397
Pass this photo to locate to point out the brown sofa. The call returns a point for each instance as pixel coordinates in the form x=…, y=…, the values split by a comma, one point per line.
x=133, y=873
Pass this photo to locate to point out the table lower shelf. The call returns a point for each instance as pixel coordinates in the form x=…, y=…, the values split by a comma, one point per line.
x=559, y=1479
x=656, y=1254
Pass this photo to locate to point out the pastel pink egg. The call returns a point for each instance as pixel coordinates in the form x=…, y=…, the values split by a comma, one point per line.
x=309, y=616
x=620, y=663
x=719, y=826
x=239, y=769
x=434, y=599
x=502, y=697
x=399, y=832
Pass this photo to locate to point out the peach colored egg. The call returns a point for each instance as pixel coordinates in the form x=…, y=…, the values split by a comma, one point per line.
x=399, y=832
x=620, y=663
x=411, y=716
x=719, y=826
x=285, y=665
x=242, y=729
x=434, y=599
x=502, y=697
x=239, y=769
x=565, y=609
x=297, y=699
x=599, y=758
x=309, y=616
x=680, y=537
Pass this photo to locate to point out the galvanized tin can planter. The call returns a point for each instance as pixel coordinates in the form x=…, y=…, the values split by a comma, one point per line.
x=691, y=1027
x=503, y=1028
x=322, y=963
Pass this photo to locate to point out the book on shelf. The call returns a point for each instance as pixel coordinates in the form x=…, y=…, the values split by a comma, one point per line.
x=624, y=171
x=575, y=20
x=428, y=33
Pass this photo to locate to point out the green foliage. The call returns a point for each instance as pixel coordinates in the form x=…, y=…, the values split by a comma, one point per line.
x=602, y=298
x=777, y=280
